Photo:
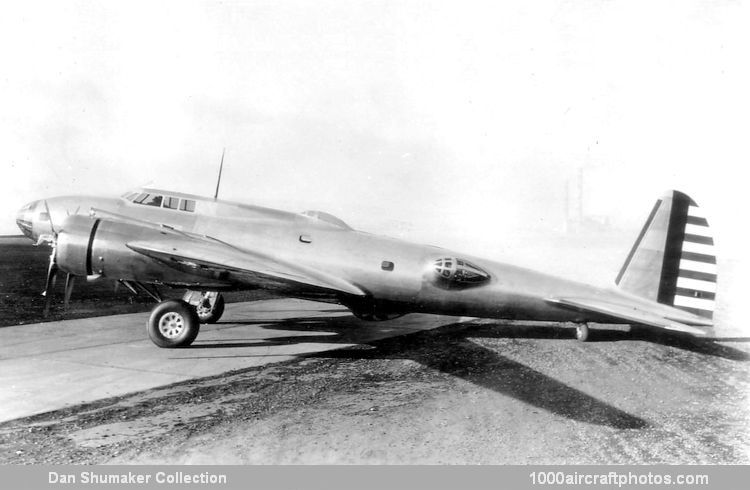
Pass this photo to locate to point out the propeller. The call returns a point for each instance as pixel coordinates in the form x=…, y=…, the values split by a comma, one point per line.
x=52, y=268
x=50, y=283
x=70, y=280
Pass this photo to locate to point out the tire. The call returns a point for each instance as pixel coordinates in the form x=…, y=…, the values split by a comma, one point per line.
x=582, y=332
x=211, y=315
x=172, y=324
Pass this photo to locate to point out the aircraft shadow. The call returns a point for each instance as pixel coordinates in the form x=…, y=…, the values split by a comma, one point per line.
x=460, y=357
x=449, y=350
x=349, y=330
x=707, y=347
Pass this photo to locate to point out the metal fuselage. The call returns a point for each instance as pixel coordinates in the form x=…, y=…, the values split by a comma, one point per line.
x=397, y=275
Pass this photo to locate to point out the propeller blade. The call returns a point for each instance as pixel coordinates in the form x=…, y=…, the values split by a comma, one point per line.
x=51, y=273
x=69, y=283
x=51, y=224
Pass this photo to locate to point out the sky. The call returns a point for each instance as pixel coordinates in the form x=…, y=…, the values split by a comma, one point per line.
x=457, y=123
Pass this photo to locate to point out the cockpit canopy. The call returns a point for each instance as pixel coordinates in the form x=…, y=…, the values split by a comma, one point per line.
x=156, y=199
x=455, y=273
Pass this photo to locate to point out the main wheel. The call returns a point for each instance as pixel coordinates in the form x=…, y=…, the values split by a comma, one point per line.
x=173, y=323
x=582, y=332
x=207, y=313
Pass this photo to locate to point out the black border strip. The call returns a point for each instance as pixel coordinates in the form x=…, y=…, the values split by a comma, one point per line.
x=701, y=276
x=694, y=293
x=705, y=240
x=673, y=247
x=696, y=257
x=694, y=220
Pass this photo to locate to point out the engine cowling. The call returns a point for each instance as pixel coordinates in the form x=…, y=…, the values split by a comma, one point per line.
x=87, y=247
x=74, y=245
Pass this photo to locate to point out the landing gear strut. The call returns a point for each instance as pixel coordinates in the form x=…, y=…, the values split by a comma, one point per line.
x=173, y=323
x=209, y=305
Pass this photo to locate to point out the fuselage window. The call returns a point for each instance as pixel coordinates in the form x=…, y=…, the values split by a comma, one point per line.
x=171, y=202
x=187, y=205
x=152, y=200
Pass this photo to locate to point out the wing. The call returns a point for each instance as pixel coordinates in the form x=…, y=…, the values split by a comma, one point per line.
x=633, y=313
x=212, y=258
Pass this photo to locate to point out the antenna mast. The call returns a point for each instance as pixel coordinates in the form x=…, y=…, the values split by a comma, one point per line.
x=221, y=167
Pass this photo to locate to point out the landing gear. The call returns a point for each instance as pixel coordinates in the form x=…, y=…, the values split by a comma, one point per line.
x=209, y=305
x=173, y=323
x=582, y=332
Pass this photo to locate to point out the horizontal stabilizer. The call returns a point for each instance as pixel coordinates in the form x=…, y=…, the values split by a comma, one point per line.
x=627, y=312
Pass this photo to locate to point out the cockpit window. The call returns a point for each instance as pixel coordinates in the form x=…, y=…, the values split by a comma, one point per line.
x=140, y=198
x=171, y=202
x=152, y=200
x=187, y=205
x=160, y=201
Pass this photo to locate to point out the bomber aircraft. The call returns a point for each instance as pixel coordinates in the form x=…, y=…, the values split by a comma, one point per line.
x=149, y=238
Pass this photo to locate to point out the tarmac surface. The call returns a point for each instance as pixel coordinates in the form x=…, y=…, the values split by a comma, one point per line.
x=49, y=366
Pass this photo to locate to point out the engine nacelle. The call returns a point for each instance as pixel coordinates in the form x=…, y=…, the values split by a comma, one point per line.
x=87, y=246
x=74, y=245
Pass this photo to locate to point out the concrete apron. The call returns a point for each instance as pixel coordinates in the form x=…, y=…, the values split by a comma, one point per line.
x=48, y=366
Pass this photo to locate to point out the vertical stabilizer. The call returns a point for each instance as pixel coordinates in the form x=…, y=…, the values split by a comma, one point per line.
x=673, y=259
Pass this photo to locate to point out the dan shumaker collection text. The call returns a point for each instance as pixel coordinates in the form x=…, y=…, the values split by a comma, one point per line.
x=135, y=478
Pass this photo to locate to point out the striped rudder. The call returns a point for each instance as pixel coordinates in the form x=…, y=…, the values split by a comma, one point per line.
x=673, y=260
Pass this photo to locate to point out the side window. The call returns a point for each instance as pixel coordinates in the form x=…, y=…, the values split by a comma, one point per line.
x=187, y=205
x=171, y=202
x=152, y=200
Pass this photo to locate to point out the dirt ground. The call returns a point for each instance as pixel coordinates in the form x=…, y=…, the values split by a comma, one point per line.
x=480, y=393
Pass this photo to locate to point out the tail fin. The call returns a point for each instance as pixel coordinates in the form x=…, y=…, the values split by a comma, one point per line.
x=673, y=260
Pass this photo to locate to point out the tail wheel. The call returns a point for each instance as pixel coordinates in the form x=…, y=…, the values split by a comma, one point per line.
x=208, y=313
x=582, y=332
x=173, y=323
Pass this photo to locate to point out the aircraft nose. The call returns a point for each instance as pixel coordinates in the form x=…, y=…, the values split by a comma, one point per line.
x=25, y=220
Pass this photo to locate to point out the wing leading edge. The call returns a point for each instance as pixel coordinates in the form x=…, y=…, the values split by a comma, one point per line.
x=210, y=257
x=630, y=313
